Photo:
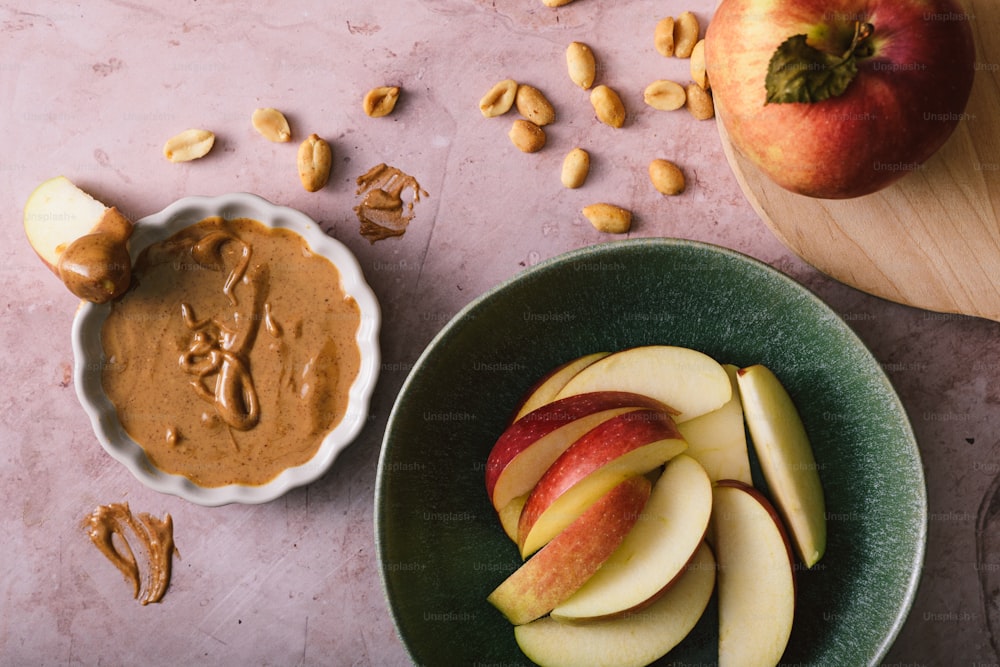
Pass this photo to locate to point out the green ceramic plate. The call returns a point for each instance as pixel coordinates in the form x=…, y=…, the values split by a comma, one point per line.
x=440, y=545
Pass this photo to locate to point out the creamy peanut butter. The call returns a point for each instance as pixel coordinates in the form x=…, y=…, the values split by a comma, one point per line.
x=231, y=356
x=382, y=211
x=153, y=537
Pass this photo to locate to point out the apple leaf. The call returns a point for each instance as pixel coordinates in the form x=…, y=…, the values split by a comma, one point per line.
x=799, y=72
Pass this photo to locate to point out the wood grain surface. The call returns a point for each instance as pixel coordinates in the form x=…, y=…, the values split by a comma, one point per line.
x=931, y=240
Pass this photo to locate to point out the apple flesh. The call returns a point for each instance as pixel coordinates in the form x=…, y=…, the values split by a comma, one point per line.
x=632, y=640
x=756, y=577
x=655, y=552
x=527, y=447
x=786, y=459
x=559, y=569
x=689, y=381
x=80, y=239
x=915, y=64
x=632, y=443
x=718, y=440
x=545, y=390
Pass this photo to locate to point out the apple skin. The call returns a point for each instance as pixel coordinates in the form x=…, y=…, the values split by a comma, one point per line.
x=632, y=640
x=904, y=103
x=527, y=447
x=572, y=557
x=632, y=443
x=756, y=577
x=545, y=390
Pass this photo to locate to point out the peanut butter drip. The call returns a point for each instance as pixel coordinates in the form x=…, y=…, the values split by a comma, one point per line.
x=382, y=211
x=154, y=537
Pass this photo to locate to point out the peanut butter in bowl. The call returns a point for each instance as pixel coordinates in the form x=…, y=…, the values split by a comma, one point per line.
x=240, y=361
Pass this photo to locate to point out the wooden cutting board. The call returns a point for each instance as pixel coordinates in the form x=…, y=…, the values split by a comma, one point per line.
x=932, y=240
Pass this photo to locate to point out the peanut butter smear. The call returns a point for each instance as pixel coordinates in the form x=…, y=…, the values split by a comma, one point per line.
x=155, y=538
x=382, y=211
x=231, y=356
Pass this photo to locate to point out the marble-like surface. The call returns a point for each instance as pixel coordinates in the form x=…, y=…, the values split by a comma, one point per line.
x=92, y=90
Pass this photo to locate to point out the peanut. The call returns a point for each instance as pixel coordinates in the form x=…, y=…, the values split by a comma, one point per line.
x=686, y=31
x=666, y=177
x=381, y=101
x=608, y=106
x=188, y=145
x=663, y=36
x=699, y=74
x=527, y=136
x=271, y=124
x=581, y=64
x=315, y=161
x=499, y=99
x=664, y=95
x=699, y=102
x=556, y=3
x=575, y=168
x=608, y=218
x=533, y=105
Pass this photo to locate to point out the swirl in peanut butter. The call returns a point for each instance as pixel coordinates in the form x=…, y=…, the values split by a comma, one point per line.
x=232, y=355
x=382, y=211
x=153, y=537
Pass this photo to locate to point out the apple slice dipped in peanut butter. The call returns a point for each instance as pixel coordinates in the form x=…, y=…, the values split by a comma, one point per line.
x=80, y=239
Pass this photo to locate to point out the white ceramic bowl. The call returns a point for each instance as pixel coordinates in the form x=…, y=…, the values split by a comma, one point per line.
x=89, y=354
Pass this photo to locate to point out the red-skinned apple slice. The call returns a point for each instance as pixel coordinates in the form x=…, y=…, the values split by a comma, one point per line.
x=80, y=239
x=526, y=448
x=555, y=572
x=632, y=640
x=718, y=440
x=756, y=577
x=689, y=381
x=786, y=459
x=654, y=553
x=509, y=515
x=545, y=390
x=632, y=443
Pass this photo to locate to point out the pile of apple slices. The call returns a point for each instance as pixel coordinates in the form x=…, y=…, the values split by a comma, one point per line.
x=624, y=479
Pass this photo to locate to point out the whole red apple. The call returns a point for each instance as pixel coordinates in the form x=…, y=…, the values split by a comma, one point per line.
x=839, y=98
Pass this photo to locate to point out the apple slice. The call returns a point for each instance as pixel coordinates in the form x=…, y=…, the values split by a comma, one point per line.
x=632, y=443
x=80, y=239
x=566, y=562
x=756, y=577
x=786, y=459
x=655, y=552
x=689, y=381
x=718, y=439
x=509, y=515
x=526, y=448
x=545, y=390
x=632, y=640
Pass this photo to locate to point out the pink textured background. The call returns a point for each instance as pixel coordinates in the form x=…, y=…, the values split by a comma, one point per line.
x=92, y=90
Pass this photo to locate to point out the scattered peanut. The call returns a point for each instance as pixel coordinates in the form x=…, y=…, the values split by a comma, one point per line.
x=271, y=124
x=664, y=95
x=188, y=145
x=556, y=3
x=533, y=105
x=663, y=37
x=666, y=177
x=499, y=99
x=575, y=168
x=608, y=218
x=381, y=101
x=581, y=64
x=527, y=136
x=699, y=74
x=686, y=32
x=608, y=106
x=315, y=160
x=699, y=102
